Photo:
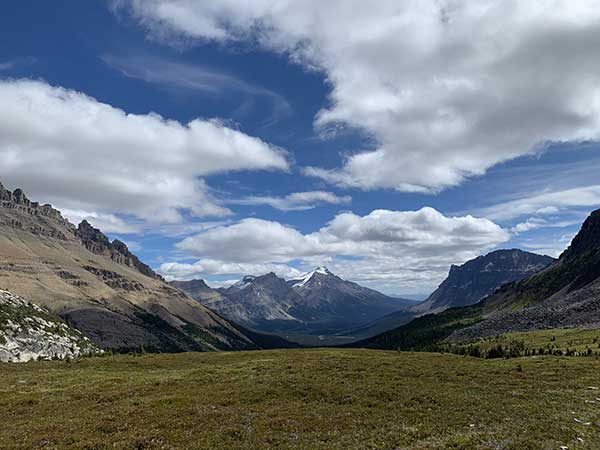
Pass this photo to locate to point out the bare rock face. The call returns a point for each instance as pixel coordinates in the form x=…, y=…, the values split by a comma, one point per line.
x=29, y=332
x=33, y=217
x=96, y=242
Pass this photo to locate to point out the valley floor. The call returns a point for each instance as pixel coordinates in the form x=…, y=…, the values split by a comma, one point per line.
x=301, y=399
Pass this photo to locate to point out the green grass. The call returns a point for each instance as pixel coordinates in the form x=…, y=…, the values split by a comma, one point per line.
x=576, y=340
x=301, y=399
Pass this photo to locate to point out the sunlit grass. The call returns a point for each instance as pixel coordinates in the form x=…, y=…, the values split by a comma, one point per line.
x=301, y=399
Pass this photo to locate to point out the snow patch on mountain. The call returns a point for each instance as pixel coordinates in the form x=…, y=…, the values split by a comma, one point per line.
x=300, y=282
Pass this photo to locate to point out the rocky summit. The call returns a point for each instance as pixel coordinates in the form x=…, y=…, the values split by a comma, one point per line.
x=96, y=242
x=470, y=282
x=99, y=286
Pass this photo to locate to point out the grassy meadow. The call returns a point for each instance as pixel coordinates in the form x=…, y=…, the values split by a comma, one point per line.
x=301, y=399
x=560, y=341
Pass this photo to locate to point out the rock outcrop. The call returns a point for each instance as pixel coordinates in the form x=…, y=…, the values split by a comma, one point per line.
x=96, y=242
x=29, y=332
x=33, y=217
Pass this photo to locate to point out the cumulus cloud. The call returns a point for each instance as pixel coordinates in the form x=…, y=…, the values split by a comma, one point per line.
x=388, y=248
x=199, y=269
x=251, y=241
x=446, y=88
x=297, y=201
x=108, y=223
x=66, y=147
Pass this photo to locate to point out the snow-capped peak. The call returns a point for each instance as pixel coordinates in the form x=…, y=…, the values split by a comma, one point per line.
x=299, y=282
x=247, y=280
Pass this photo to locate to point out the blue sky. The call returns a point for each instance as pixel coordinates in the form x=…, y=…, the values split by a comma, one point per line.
x=309, y=147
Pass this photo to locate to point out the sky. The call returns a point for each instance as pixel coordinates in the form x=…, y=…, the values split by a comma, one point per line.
x=386, y=140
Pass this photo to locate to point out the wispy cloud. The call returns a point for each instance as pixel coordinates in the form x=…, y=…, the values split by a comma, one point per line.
x=17, y=62
x=203, y=79
x=545, y=203
x=534, y=223
x=297, y=201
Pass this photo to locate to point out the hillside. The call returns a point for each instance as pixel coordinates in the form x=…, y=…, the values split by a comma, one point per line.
x=301, y=399
x=565, y=294
x=99, y=286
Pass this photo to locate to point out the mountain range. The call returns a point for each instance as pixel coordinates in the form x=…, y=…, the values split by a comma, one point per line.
x=75, y=277
x=101, y=289
x=317, y=302
x=565, y=294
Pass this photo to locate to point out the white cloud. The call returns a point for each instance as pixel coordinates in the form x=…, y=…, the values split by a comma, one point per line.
x=297, y=201
x=211, y=267
x=552, y=245
x=533, y=223
x=63, y=146
x=108, y=223
x=397, y=249
x=446, y=88
x=251, y=241
x=546, y=203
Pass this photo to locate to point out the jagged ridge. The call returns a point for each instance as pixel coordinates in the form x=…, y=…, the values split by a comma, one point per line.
x=100, y=286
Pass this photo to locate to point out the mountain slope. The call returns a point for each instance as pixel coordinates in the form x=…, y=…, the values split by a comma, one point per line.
x=99, y=286
x=564, y=294
x=469, y=283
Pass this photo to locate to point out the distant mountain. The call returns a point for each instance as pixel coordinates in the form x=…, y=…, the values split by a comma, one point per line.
x=30, y=332
x=469, y=283
x=317, y=302
x=565, y=294
x=331, y=302
x=260, y=302
x=99, y=286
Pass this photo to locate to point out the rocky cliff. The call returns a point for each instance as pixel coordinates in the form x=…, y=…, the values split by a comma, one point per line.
x=96, y=242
